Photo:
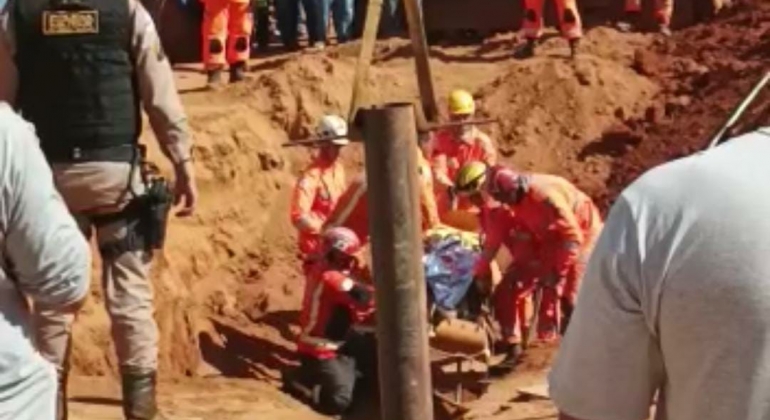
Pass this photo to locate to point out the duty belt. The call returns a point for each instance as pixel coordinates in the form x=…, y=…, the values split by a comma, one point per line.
x=122, y=153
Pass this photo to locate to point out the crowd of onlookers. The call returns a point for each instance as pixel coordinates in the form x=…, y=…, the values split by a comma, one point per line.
x=290, y=20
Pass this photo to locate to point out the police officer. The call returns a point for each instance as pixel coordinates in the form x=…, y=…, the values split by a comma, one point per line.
x=79, y=71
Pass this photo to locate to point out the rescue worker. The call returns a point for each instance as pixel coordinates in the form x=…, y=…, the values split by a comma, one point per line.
x=81, y=84
x=336, y=341
x=452, y=148
x=663, y=13
x=319, y=188
x=227, y=26
x=549, y=227
x=352, y=211
x=569, y=23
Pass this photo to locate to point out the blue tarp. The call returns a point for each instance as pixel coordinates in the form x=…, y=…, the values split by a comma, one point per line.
x=449, y=263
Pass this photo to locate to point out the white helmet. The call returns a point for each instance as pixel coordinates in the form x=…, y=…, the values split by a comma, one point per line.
x=332, y=126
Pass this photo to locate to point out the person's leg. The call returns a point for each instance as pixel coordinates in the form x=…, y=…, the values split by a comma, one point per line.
x=343, y=19
x=214, y=38
x=664, y=10
x=286, y=12
x=262, y=25
x=548, y=320
x=239, y=26
x=338, y=379
x=571, y=24
x=129, y=302
x=53, y=337
x=532, y=27
x=316, y=20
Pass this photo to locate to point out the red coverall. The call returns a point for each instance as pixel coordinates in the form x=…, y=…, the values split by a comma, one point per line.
x=315, y=196
x=449, y=154
x=569, y=19
x=226, y=28
x=549, y=232
x=326, y=292
x=663, y=10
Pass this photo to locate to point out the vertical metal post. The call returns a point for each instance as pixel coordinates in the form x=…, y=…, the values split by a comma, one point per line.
x=390, y=136
x=420, y=47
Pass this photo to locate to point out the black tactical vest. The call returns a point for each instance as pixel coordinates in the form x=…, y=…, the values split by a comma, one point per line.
x=77, y=81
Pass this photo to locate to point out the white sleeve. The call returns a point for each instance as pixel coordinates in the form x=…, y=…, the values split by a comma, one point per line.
x=609, y=365
x=49, y=257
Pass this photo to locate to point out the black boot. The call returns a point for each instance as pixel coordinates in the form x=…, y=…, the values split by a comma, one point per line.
x=508, y=365
x=527, y=50
x=573, y=46
x=139, y=394
x=237, y=72
x=61, y=394
x=214, y=78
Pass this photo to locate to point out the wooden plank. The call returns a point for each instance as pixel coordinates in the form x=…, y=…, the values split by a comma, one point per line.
x=359, y=96
x=420, y=49
x=536, y=391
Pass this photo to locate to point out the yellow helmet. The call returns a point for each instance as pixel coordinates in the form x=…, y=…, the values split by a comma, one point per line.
x=461, y=102
x=471, y=178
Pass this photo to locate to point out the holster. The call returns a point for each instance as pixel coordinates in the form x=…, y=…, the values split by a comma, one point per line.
x=146, y=219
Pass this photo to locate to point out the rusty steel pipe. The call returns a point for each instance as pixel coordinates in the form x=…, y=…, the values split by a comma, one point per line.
x=390, y=135
x=421, y=56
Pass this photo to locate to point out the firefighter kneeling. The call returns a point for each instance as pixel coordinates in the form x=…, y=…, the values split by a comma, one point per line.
x=336, y=344
x=549, y=227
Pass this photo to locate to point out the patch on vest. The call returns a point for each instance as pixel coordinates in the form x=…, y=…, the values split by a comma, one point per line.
x=71, y=22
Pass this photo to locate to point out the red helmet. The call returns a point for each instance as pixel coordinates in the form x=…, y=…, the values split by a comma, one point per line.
x=506, y=185
x=342, y=240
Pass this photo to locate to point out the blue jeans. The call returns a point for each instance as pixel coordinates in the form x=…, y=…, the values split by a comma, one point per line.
x=287, y=13
x=342, y=14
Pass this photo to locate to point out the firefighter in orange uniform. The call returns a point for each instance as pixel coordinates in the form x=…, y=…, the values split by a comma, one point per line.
x=569, y=22
x=549, y=226
x=453, y=148
x=227, y=26
x=319, y=188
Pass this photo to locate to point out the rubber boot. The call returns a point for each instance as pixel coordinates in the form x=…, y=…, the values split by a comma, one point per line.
x=527, y=50
x=630, y=22
x=237, y=72
x=665, y=30
x=573, y=47
x=139, y=394
x=214, y=78
x=61, y=394
x=508, y=365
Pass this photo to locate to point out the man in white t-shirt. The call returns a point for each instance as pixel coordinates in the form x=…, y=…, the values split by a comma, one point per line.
x=676, y=298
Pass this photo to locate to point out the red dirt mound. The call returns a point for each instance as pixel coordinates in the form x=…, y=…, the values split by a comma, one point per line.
x=705, y=71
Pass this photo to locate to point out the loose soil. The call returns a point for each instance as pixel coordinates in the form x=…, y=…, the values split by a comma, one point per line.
x=227, y=285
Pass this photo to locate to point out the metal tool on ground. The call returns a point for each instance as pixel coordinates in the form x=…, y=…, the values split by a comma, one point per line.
x=736, y=115
x=394, y=223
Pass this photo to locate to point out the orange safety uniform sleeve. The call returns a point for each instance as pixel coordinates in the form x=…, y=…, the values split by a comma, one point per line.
x=302, y=215
x=495, y=225
x=487, y=148
x=428, y=206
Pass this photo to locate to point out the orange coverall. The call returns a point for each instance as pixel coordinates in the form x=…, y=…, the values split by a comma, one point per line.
x=569, y=19
x=355, y=196
x=316, y=194
x=226, y=28
x=449, y=154
x=663, y=9
x=550, y=232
